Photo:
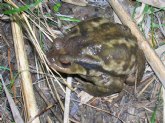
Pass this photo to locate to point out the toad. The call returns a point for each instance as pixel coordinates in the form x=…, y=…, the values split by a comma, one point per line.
x=104, y=54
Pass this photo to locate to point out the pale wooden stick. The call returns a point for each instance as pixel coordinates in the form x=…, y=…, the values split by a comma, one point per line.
x=41, y=54
x=76, y=2
x=150, y=54
x=23, y=68
x=67, y=101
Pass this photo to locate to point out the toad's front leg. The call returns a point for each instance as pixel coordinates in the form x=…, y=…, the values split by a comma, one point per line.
x=102, y=90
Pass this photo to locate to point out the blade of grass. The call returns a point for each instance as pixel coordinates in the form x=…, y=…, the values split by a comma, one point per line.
x=22, y=8
x=57, y=6
x=153, y=117
x=4, y=68
x=69, y=19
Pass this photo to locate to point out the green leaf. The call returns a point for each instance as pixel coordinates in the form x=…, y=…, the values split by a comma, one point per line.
x=57, y=6
x=69, y=19
x=17, y=10
x=157, y=25
x=22, y=8
x=4, y=68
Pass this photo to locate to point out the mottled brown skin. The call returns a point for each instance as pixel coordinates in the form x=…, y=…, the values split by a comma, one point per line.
x=103, y=53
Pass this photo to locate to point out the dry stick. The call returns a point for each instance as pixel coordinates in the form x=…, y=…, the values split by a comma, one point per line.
x=76, y=2
x=55, y=113
x=11, y=74
x=41, y=54
x=22, y=62
x=150, y=54
x=41, y=112
x=16, y=115
x=67, y=101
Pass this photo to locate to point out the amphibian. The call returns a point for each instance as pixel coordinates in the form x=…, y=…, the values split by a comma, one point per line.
x=104, y=54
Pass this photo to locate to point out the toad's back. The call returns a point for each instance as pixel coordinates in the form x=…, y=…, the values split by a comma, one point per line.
x=104, y=53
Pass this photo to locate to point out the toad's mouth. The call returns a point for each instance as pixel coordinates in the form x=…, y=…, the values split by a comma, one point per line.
x=66, y=67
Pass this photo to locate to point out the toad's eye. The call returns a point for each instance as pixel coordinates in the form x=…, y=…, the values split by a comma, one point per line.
x=65, y=61
x=65, y=64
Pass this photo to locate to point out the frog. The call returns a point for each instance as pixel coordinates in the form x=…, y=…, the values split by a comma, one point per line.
x=104, y=55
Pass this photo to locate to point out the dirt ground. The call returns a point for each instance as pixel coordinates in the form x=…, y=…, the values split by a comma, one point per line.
x=141, y=104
